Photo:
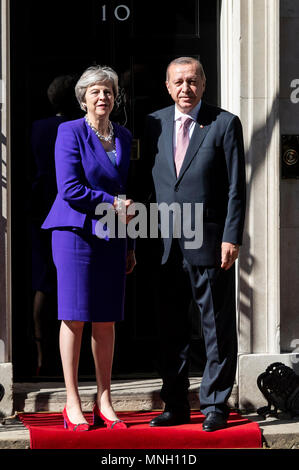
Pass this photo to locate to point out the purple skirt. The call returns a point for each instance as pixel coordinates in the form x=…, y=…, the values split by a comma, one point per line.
x=90, y=276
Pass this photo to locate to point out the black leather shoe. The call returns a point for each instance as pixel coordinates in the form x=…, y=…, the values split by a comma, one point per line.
x=214, y=421
x=170, y=418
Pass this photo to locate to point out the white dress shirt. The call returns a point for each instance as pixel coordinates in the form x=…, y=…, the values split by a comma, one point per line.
x=177, y=122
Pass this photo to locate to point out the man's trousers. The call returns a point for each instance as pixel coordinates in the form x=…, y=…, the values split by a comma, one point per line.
x=213, y=290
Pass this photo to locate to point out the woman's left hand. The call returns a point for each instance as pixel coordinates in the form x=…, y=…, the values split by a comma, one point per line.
x=131, y=261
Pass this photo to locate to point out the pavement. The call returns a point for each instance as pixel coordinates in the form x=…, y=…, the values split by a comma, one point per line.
x=128, y=395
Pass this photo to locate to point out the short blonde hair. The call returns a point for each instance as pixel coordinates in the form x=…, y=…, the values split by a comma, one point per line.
x=93, y=75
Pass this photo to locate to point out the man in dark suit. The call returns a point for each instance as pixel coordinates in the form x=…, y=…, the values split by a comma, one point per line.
x=197, y=156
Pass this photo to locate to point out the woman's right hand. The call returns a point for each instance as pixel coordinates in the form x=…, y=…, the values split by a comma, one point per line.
x=121, y=207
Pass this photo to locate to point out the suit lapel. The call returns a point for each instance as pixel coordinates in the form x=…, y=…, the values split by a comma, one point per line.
x=168, y=140
x=199, y=133
x=98, y=150
x=117, y=147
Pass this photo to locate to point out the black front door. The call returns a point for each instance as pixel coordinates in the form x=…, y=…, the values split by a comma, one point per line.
x=138, y=39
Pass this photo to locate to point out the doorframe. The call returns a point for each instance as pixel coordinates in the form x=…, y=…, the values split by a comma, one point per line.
x=6, y=370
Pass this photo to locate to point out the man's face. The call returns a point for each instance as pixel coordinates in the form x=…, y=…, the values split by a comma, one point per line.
x=185, y=85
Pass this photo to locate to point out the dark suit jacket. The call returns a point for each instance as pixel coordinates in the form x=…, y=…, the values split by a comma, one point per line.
x=213, y=173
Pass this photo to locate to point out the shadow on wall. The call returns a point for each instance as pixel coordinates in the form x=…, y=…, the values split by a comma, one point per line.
x=255, y=160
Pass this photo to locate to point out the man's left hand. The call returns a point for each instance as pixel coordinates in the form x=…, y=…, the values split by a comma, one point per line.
x=229, y=254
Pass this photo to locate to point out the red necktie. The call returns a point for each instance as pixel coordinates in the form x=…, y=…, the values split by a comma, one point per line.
x=182, y=142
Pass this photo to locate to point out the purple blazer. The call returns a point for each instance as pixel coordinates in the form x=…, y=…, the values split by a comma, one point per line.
x=85, y=174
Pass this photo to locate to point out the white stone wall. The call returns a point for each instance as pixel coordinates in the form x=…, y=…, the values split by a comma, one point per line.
x=259, y=59
x=259, y=40
x=250, y=88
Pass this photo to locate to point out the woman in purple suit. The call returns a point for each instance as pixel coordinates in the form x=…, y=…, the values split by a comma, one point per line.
x=92, y=157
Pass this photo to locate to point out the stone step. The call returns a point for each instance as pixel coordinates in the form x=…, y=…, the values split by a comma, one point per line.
x=127, y=395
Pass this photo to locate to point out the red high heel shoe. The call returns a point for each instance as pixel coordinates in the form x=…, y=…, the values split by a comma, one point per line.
x=100, y=419
x=72, y=426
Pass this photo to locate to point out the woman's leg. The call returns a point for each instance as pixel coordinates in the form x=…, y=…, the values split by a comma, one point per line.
x=70, y=344
x=38, y=307
x=102, y=344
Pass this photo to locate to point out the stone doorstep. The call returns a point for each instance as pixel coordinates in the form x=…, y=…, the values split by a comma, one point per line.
x=14, y=436
x=130, y=395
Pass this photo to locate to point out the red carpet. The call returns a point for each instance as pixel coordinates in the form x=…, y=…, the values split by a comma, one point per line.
x=47, y=432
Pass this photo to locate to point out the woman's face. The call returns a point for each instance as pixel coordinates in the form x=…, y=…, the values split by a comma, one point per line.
x=99, y=99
